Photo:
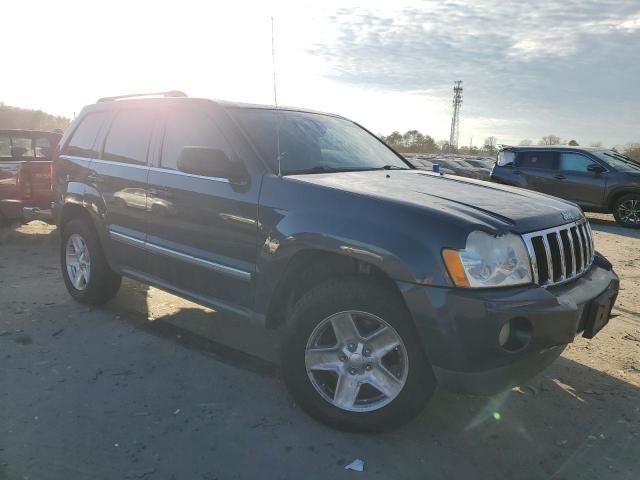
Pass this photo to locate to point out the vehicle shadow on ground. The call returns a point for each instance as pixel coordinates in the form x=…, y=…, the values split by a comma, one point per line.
x=28, y=235
x=609, y=225
x=570, y=421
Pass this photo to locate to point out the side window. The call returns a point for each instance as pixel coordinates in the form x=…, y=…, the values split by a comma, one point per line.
x=129, y=136
x=574, y=162
x=543, y=160
x=82, y=142
x=5, y=148
x=43, y=147
x=21, y=148
x=189, y=128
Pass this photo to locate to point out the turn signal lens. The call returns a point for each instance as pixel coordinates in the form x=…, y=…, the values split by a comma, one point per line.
x=456, y=269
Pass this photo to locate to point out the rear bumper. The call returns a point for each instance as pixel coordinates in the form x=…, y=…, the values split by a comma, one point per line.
x=460, y=328
x=13, y=210
x=36, y=213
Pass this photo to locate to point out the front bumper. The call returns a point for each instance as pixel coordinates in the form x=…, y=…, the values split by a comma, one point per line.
x=460, y=328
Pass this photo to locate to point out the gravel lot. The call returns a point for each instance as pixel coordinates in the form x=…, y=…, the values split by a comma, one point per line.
x=151, y=386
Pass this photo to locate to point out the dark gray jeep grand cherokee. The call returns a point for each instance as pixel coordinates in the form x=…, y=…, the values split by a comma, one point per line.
x=384, y=279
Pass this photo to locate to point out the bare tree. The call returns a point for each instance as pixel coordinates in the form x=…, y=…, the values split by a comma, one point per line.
x=490, y=144
x=526, y=142
x=550, y=140
x=597, y=144
x=632, y=151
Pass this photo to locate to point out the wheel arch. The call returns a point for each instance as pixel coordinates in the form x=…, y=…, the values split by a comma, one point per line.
x=617, y=194
x=310, y=267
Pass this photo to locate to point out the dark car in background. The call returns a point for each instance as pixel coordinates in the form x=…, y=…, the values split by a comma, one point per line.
x=598, y=180
x=25, y=171
x=384, y=280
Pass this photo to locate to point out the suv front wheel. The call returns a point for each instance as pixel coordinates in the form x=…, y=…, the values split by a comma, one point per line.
x=626, y=210
x=351, y=357
x=86, y=273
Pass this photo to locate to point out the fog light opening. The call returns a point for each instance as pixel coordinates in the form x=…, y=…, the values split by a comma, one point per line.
x=515, y=334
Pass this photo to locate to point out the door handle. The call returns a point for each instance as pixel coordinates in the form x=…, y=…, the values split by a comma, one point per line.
x=158, y=192
x=92, y=177
x=559, y=176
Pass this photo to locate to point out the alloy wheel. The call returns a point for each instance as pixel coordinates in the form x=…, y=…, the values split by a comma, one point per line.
x=78, y=261
x=629, y=211
x=356, y=361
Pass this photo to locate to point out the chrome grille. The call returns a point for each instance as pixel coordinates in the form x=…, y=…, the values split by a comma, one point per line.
x=561, y=253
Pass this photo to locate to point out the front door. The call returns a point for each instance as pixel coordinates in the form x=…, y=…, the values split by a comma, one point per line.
x=573, y=180
x=202, y=231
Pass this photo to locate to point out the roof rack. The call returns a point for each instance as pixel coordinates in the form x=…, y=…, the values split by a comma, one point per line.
x=168, y=94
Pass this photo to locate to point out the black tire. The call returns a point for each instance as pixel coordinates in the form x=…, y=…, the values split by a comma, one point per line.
x=366, y=295
x=620, y=216
x=103, y=282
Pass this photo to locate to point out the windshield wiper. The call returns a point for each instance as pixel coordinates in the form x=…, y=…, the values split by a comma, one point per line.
x=319, y=169
x=325, y=169
x=393, y=167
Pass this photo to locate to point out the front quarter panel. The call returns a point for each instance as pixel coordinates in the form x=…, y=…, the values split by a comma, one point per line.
x=403, y=241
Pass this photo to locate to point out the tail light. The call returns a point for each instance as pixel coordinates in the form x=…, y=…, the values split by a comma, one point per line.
x=52, y=171
x=23, y=181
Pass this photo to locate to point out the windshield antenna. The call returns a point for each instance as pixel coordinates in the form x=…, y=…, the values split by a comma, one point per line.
x=275, y=94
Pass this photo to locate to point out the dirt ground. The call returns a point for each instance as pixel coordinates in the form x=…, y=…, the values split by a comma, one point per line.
x=152, y=386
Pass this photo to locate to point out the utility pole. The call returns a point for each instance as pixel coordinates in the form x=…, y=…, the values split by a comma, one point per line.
x=455, y=120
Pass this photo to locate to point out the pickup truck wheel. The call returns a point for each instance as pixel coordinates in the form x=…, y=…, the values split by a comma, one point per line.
x=626, y=210
x=351, y=357
x=86, y=274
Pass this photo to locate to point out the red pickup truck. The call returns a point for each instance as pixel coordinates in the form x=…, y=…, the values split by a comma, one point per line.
x=25, y=172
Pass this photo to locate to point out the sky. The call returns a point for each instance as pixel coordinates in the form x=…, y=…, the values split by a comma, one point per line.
x=569, y=68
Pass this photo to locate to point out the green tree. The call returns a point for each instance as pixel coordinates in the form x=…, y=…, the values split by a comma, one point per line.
x=14, y=117
x=573, y=143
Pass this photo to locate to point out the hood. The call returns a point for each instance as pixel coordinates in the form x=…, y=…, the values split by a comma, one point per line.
x=496, y=206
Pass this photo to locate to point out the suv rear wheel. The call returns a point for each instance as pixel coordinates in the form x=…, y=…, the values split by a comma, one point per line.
x=626, y=210
x=86, y=274
x=351, y=357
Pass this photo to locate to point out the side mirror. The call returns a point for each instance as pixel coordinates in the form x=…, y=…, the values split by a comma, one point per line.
x=595, y=168
x=211, y=162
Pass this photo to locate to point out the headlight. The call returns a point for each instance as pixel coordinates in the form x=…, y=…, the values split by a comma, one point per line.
x=489, y=261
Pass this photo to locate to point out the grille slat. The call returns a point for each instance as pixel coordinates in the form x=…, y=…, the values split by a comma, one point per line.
x=560, y=254
x=549, y=259
x=563, y=264
x=574, y=267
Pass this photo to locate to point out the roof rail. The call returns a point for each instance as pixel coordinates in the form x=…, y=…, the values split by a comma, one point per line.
x=170, y=93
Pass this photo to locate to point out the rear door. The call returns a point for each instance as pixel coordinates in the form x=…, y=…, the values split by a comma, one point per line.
x=120, y=175
x=536, y=168
x=573, y=180
x=202, y=230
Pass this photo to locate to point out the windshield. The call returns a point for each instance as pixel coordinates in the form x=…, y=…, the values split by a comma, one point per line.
x=314, y=143
x=618, y=161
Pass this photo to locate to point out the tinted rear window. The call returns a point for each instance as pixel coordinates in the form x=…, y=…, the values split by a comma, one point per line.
x=43, y=147
x=5, y=148
x=535, y=160
x=129, y=136
x=83, y=140
x=21, y=147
